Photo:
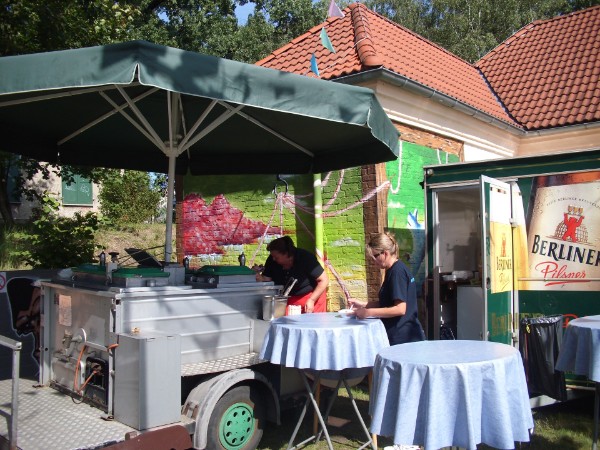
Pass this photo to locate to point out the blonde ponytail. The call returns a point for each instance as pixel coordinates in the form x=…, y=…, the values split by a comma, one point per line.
x=380, y=242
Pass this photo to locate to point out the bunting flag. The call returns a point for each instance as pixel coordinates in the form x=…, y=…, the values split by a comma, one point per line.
x=334, y=10
x=313, y=65
x=325, y=41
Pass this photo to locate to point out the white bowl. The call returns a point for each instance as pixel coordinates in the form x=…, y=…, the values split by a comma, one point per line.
x=347, y=312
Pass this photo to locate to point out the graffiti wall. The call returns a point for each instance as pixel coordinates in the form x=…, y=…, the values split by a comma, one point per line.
x=223, y=216
x=406, y=203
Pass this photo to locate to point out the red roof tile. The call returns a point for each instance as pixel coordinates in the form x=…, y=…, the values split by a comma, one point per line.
x=364, y=39
x=547, y=74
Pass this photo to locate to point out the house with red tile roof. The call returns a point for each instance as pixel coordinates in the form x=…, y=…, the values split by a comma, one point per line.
x=537, y=92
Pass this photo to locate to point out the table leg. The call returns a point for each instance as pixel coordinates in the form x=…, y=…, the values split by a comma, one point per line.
x=318, y=399
x=310, y=399
x=328, y=407
x=362, y=422
x=596, y=408
x=370, y=382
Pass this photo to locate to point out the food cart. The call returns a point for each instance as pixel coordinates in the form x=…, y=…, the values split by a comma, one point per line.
x=151, y=347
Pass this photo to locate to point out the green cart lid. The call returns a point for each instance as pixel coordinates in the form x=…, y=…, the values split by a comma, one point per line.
x=139, y=272
x=225, y=270
x=89, y=268
x=123, y=272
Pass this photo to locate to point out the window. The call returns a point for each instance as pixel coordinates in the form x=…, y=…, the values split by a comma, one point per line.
x=77, y=193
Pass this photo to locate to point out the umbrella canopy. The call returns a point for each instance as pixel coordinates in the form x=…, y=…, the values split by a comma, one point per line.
x=142, y=106
x=128, y=105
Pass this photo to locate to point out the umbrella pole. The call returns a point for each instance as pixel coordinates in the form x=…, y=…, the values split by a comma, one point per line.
x=169, y=227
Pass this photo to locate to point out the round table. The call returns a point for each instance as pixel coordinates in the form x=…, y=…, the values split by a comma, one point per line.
x=451, y=393
x=328, y=345
x=580, y=354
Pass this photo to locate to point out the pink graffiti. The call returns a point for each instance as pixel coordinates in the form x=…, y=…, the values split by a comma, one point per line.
x=207, y=228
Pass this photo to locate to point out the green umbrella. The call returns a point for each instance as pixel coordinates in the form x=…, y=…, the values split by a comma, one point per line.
x=142, y=106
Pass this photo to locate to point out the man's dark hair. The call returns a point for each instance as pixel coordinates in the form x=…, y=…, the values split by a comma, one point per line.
x=284, y=245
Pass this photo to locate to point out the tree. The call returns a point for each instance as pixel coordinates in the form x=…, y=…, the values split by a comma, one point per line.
x=128, y=196
x=471, y=28
x=53, y=241
x=28, y=26
x=207, y=26
x=210, y=26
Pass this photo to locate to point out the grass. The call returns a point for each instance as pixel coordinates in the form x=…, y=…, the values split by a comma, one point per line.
x=564, y=426
x=142, y=236
x=9, y=245
x=117, y=238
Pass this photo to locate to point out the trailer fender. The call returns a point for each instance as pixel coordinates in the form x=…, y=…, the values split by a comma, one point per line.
x=202, y=400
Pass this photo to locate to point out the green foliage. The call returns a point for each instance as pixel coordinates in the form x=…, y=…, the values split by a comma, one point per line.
x=471, y=28
x=129, y=197
x=29, y=26
x=11, y=247
x=207, y=26
x=210, y=26
x=54, y=242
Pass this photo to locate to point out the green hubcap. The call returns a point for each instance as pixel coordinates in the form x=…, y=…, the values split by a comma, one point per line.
x=237, y=426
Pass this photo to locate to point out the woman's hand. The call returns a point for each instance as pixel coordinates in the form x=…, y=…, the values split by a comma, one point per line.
x=356, y=303
x=363, y=313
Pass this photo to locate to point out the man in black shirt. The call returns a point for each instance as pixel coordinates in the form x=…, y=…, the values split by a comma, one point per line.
x=287, y=263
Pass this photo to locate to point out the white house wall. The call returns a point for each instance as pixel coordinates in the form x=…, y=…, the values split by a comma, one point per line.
x=561, y=140
x=482, y=140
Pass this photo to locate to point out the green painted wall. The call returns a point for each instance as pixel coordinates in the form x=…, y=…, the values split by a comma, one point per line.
x=406, y=203
x=344, y=240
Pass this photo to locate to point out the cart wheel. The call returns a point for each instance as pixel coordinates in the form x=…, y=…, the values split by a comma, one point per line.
x=237, y=420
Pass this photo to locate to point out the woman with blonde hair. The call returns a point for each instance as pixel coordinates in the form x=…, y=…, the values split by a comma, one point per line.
x=397, y=304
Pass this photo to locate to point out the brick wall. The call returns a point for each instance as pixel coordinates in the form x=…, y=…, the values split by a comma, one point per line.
x=210, y=206
x=218, y=217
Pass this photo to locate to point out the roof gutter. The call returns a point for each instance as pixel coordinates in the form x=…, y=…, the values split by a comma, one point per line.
x=554, y=130
x=427, y=92
x=424, y=91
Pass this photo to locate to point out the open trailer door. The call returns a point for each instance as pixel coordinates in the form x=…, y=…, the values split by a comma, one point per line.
x=500, y=299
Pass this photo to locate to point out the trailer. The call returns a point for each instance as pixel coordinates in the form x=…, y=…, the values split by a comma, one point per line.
x=131, y=350
x=509, y=242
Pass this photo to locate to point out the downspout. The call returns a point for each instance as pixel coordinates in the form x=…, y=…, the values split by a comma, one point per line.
x=318, y=205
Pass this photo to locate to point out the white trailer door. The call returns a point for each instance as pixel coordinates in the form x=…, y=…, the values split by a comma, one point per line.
x=498, y=260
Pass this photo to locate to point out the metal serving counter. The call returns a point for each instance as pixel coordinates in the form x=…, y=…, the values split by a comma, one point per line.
x=101, y=340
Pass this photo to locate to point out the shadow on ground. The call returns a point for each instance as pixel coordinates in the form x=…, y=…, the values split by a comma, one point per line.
x=564, y=426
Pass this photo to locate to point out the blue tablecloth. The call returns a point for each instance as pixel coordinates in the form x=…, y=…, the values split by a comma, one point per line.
x=451, y=393
x=324, y=341
x=580, y=350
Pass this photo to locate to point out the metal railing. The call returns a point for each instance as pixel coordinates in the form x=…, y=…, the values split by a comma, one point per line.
x=15, y=346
